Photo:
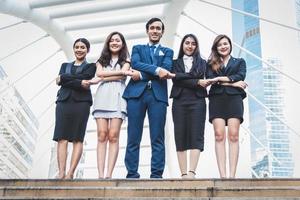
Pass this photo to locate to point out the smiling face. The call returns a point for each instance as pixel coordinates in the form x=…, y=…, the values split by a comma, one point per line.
x=189, y=46
x=80, y=50
x=155, y=32
x=223, y=47
x=115, y=44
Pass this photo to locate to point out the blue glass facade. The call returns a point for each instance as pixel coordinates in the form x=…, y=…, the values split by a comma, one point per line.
x=264, y=84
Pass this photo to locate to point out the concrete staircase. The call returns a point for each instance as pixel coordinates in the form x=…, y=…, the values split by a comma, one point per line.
x=203, y=189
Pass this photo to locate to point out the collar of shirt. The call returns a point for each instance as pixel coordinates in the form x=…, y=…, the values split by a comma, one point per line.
x=188, y=62
x=185, y=57
x=156, y=45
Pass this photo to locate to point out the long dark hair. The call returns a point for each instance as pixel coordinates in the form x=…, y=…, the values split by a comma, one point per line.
x=199, y=64
x=215, y=60
x=105, y=57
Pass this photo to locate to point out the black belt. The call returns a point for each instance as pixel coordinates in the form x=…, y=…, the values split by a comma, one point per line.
x=149, y=85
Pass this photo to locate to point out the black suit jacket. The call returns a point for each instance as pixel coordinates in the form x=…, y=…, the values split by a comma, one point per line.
x=235, y=71
x=71, y=84
x=186, y=80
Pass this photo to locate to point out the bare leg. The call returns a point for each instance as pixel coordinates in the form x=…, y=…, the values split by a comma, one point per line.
x=62, y=152
x=102, y=129
x=76, y=155
x=113, y=138
x=233, y=140
x=219, y=128
x=182, y=161
x=194, y=158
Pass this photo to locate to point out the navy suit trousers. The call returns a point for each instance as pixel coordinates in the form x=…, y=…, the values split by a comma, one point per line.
x=156, y=111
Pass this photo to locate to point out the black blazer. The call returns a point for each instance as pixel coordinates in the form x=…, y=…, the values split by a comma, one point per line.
x=186, y=80
x=235, y=71
x=71, y=84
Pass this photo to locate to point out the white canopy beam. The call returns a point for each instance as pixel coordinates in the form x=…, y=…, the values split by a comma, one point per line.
x=172, y=12
x=103, y=7
x=107, y=22
x=128, y=36
x=41, y=19
x=45, y=3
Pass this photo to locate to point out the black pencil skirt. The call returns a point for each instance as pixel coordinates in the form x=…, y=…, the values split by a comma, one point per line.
x=71, y=120
x=189, y=123
x=226, y=106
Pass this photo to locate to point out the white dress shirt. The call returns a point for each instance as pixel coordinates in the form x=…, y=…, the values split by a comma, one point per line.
x=188, y=63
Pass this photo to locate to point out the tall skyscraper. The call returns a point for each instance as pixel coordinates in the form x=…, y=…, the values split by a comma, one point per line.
x=297, y=8
x=264, y=83
x=18, y=132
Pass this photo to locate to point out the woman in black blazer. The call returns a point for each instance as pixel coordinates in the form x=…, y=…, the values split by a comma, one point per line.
x=189, y=106
x=226, y=101
x=73, y=106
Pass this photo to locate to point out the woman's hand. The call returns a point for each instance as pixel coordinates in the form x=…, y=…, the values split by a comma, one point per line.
x=135, y=75
x=57, y=80
x=85, y=84
x=240, y=84
x=204, y=82
x=94, y=80
x=213, y=80
x=128, y=73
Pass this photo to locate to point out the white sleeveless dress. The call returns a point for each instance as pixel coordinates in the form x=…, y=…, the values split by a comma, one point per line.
x=108, y=101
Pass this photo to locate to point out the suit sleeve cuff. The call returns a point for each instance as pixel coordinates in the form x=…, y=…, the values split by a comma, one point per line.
x=157, y=70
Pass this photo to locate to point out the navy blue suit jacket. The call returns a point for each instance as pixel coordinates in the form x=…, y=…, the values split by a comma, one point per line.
x=142, y=61
x=235, y=71
x=186, y=80
x=71, y=84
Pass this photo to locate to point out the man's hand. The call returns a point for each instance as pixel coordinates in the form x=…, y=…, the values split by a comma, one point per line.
x=163, y=73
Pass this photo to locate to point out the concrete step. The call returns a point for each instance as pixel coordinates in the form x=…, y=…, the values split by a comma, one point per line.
x=151, y=182
x=151, y=189
x=154, y=198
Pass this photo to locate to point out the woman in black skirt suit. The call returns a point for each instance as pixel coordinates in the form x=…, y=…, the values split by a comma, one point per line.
x=189, y=106
x=226, y=101
x=73, y=106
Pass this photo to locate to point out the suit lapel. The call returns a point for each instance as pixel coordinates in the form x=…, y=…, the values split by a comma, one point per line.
x=229, y=64
x=181, y=65
x=147, y=53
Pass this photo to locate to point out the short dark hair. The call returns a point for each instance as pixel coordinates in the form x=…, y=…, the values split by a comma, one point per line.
x=154, y=19
x=84, y=41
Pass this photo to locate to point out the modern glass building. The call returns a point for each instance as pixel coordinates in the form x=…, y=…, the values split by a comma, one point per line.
x=272, y=156
x=18, y=132
x=297, y=8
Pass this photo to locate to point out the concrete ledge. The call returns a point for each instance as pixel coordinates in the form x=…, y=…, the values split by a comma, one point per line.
x=206, y=189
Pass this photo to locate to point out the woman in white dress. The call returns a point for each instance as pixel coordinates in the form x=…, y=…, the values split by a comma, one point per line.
x=109, y=107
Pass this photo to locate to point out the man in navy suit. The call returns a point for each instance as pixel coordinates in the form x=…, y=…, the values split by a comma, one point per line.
x=147, y=92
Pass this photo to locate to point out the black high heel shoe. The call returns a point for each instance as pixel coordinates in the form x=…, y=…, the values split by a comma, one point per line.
x=184, y=175
x=192, y=174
